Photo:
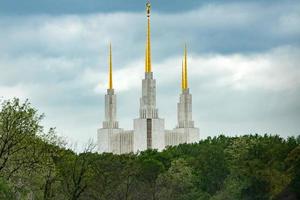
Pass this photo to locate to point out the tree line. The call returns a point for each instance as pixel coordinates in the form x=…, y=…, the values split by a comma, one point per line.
x=35, y=164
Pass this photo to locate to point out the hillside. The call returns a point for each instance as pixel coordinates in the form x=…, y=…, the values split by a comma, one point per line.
x=36, y=164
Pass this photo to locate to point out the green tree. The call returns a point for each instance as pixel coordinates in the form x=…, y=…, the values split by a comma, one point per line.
x=293, y=164
x=74, y=173
x=211, y=167
x=19, y=124
x=5, y=190
x=149, y=170
x=177, y=182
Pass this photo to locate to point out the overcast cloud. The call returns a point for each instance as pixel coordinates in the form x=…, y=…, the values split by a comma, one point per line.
x=244, y=68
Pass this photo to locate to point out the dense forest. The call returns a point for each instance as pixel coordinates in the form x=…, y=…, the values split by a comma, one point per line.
x=36, y=164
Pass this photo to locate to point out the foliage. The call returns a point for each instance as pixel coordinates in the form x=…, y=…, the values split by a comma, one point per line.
x=35, y=164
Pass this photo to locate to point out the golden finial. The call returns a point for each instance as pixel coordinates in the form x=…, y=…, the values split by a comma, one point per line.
x=185, y=68
x=110, y=81
x=148, y=43
x=146, y=59
x=182, y=76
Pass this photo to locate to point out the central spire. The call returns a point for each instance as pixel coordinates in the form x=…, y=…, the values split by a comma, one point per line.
x=110, y=81
x=148, y=42
x=184, y=77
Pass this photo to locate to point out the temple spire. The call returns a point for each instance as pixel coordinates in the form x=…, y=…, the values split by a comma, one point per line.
x=148, y=42
x=185, y=78
x=182, y=76
x=110, y=81
x=146, y=58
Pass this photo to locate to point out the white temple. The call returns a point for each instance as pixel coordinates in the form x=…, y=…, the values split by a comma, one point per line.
x=148, y=130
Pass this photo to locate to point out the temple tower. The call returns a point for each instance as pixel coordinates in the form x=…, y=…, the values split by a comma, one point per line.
x=148, y=128
x=109, y=134
x=184, y=107
x=185, y=132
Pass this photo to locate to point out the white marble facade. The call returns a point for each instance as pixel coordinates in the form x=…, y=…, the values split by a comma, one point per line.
x=148, y=130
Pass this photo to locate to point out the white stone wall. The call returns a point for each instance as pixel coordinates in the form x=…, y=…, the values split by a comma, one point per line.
x=118, y=141
x=110, y=110
x=173, y=138
x=148, y=100
x=126, y=142
x=185, y=132
x=184, y=110
x=115, y=140
x=103, y=140
x=109, y=140
x=140, y=134
x=149, y=128
x=193, y=135
x=181, y=135
x=158, y=134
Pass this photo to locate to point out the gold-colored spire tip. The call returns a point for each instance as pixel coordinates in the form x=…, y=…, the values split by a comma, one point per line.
x=148, y=42
x=110, y=81
x=185, y=77
x=182, y=76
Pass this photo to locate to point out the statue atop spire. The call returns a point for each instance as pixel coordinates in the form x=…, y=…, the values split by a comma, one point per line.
x=110, y=81
x=148, y=8
x=148, y=43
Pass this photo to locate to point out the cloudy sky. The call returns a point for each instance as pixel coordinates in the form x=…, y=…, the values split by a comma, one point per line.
x=244, y=59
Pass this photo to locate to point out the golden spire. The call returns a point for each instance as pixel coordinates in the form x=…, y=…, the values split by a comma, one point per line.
x=148, y=43
x=146, y=59
x=184, y=74
x=110, y=81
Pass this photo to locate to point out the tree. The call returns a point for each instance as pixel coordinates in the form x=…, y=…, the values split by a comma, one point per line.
x=177, y=182
x=211, y=167
x=258, y=162
x=74, y=172
x=5, y=190
x=19, y=124
x=37, y=165
x=149, y=170
x=293, y=164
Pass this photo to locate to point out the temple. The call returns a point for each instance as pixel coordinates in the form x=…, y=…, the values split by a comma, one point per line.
x=148, y=129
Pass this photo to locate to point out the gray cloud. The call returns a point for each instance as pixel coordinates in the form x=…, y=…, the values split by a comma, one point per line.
x=243, y=58
x=92, y=6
